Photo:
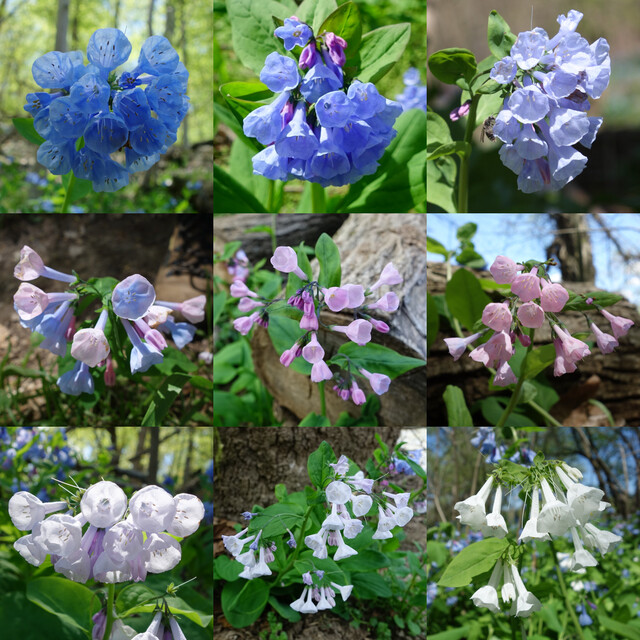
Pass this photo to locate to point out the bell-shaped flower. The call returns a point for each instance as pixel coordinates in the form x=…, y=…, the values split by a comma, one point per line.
x=582, y=499
x=54, y=328
x=333, y=521
x=234, y=544
x=344, y=590
x=161, y=552
x=285, y=260
x=504, y=375
x=318, y=543
x=498, y=348
x=103, y=504
x=297, y=604
x=554, y=296
x=555, y=518
x=581, y=558
x=31, y=267
x=76, y=567
x=143, y=355
x=360, y=482
x=76, y=381
x=341, y=467
x=192, y=309
x=152, y=509
x=132, y=297
x=457, y=346
x=344, y=550
x=487, y=596
x=58, y=534
x=30, y=301
x=320, y=371
x=605, y=342
x=526, y=603
x=388, y=302
x=176, y=630
x=33, y=552
x=313, y=351
x=189, y=513
x=496, y=525
x=379, y=381
x=261, y=568
x=90, y=345
x=504, y=270
x=336, y=298
x=359, y=331
x=600, y=539
x=527, y=285
x=389, y=276
x=531, y=315
x=573, y=349
x=402, y=515
x=352, y=528
x=561, y=364
x=280, y=73
x=264, y=124
x=323, y=603
x=497, y=316
x=338, y=492
x=472, y=510
x=308, y=606
x=26, y=510
x=508, y=591
x=361, y=505
x=619, y=325
x=530, y=531
x=385, y=522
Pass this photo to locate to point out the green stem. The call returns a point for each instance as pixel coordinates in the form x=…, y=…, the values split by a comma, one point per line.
x=463, y=180
x=270, y=195
x=516, y=392
x=563, y=588
x=67, y=196
x=522, y=630
x=323, y=404
x=547, y=416
x=317, y=198
x=299, y=542
x=111, y=589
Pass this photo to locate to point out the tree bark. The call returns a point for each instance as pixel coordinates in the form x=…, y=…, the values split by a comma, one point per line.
x=150, y=17
x=62, y=25
x=573, y=250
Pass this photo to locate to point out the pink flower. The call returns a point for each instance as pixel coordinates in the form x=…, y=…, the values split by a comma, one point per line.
x=525, y=341
x=244, y=324
x=573, y=349
x=308, y=56
x=605, y=342
x=554, y=297
x=388, y=276
x=336, y=46
x=378, y=381
x=247, y=304
x=313, y=351
x=380, y=326
x=359, y=331
x=336, y=298
x=504, y=375
x=290, y=355
x=309, y=322
x=193, y=309
x=285, y=259
x=504, y=270
x=357, y=394
x=457, y=346
x=239, y=289
x=109, y=373
x=90, y=345
x=31, y=267
x=531, y=315
x=527, y=285
x=561, y=365
x=388, y=302
x=619, y=325
x=460, y=112
x=498, y=348
x=356, y=295
x=497, y=316
x=320, y=371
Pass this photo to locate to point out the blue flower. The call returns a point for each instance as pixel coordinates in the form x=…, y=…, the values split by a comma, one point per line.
x=53, y=70
x=584, y=619
x=264, y=123
x=76, y=381
x=280, y=73
x=90, y=93
x=529, y=104
x=504, y=71
x=108, y=49
x=293, y=33
x=320, y=79
x=297, y=140
x=69, y=120
x=157, y=56
x=334, y=109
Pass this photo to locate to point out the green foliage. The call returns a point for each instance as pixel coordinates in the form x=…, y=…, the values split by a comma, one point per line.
x=473, y=560
x=318, y=464
x=465, y=298
x=379, y=359
x=243, y=601
x=328, y=257
x=457, y=411
x=381, y=49
x=451, y=65
x=499, y=36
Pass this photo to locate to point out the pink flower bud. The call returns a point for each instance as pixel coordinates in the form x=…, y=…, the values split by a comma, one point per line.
x=497, y=316
x=554, y=297
x=388, y=276
x=460, y=112
x=244, y=324
x=309, y=322
x=457, y=346
x=619, y=325
x=380, y=326
x=589, y=300
x=504, y=375
x=71, y=330
x=109, y=373
x=309, y=56
x=525, y=341
x=289, y=355
x=531, y=315
x=503, y=270
x=357, y=394
x=359, y=331
x=605, y=342
x=247, y=304
x=378, y=381
x=285, y=260
x=239, y=289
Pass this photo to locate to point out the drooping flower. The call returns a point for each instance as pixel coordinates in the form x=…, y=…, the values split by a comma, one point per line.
x=487, y=596
x=457, y=346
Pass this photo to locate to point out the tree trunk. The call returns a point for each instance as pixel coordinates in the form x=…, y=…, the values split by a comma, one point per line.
x=62, y=25
x=150, y=17
x=572, y=247
x=170, y=21
x=116, y=14
x=185, y=61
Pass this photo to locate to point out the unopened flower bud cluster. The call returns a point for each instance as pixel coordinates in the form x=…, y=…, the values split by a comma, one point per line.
x=311, y=299
x=340, y=522
x=540, y=300
x=124, y=541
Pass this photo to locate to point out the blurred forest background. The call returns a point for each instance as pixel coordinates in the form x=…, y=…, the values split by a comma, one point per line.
x=609, y=181
x=181, y=181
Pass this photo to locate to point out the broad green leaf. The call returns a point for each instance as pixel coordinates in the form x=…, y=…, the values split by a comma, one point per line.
x=546, y=395
x=25, y=128
x=488, y=105
x=433, y=246
x=475, y=559
x=315, y=12
x=227, y=568
x=344, y=22
x=465, y=298
x=460, y=147
x=276, y=519
x=177, y=606
x=315, y=420
x=457, y=412
x=399, y=183
x=328, y=257
x=79, y=189
x=619, y=628
x=438, y=132
x=452, y=634
x=284, y=609
x=466, y=231
x=252, y=29
x=433, y=320
x=240, y=164
x=378, y=359
x=441, y=179
x=577, y=302
x=380, y=49
x=367, y=560
x=471, y=258
x=229, y=409
x=231, y=196
x=370, y=585
x=243, y=98
x=499, y=36
x=233, y=120
x=219, y=300
x=318, y=464
x=284, y=331
x=538, y=360
x=70, y=601
x=163, y=398
x=449, y=65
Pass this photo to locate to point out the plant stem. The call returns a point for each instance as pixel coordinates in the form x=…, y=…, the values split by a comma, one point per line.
x=317, y=198
x=563, y=588
x=323, y=404
x=522, y=631
x=463, y=180
x=67, y=195
x=516, y=392
x=110, y=594
x=299, y=542
x=270, y=194
x=547, y=416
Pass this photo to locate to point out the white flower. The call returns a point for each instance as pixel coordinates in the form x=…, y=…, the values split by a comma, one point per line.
x=26, y=510
x=333, y=520
x=323, y=602
x=308, y=606
x=556, y=518
x=341, y=467
x=344, y=550
x=574, y=473
x=152, y=630
x=582, y=499
x=76, y=567
x=401, y=516
x=261, y=568
x=472, y=510
x=122, y=541
x=361, y=505
x=161, y=552
x=360, y=482
x=530, y=531
x=338, y=492
x=496, y=525
x=103, y=504
x=401, y=499
x=297, y=604
x=31, y=551
x=59, y=535
x=581, y=557
x=318, y=543
x=526, y=603
x=345, y=591
x=487, y=596
x=235, y=544
x=189, y=513
x=108, y=571
x=176, y=630
x=152, y=509
x=352, y=528
x=508, y=588
x=598, y=538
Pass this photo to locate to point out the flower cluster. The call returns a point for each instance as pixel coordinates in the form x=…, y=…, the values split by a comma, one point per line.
x=238, y=266
x=311, y=299
x=108, y=112
x=414, y=95
x=485, y=440
x=114, y=548
x=319, y=127
x=164, y=626
x=133, y=301
x=568, y=508
x=549, y=83
x=540, y=300
x=340, y=521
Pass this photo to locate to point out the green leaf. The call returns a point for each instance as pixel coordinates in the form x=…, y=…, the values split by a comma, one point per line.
x=163, y=398
x=471, y=258
x=25, y=128
x=367, y=560
x=399, y=183
x=344, y=22
x=79, y=189
x=577, y=302
x=227, y=568
x=466, y=231
x=433, y=320
x=328, y=257
x=243, y=98
x=315, y=420
x=284, y=609
x=437, y=130
x=314, y=12
x=231, y=196
x=538, y=360
x=318, y=464
x=457, y=412
x=460, y=147
x=276, y=519
x=378, y=359
x=283, y=331
x=499, y=35
x=370, y=585
x=441, y=180
x=465, y=298
x=219, y=301
x=619, y=628
x=453, y=634
x=68, y=600
x=380, y=49
x=473, y=560
x=449, y=65
x=252, y=29
x=433, y=246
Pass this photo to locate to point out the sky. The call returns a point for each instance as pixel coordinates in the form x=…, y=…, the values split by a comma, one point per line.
x=525, y=237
